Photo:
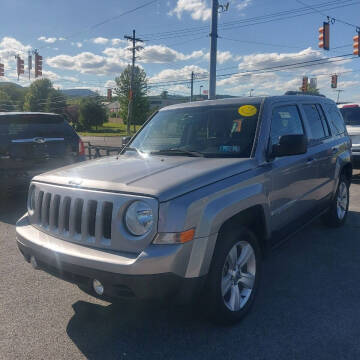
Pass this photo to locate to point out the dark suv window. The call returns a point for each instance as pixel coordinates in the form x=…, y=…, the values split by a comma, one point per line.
x=335, y=119
x=25, y=126
x=315, y=123
x=351, y=115
x=285, y=121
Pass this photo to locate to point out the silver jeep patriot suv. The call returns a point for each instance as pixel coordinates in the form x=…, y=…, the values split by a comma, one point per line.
x=193, y=202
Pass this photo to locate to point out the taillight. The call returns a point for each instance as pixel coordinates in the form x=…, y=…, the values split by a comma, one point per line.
x=81, y=147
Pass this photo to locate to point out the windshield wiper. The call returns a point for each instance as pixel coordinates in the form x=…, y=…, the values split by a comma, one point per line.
x=178, y=152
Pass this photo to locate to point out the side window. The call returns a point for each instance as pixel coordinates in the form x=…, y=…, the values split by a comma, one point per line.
x=323, y=120
x=335, y=119
x=285, y=121
x=317, y=131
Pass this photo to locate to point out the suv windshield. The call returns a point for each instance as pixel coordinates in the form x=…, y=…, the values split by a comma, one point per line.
x=351, y=115
x=34, y=125
x=219, y=131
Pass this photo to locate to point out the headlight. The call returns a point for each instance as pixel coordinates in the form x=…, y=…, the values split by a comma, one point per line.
x=355, y=139
x=139, y=218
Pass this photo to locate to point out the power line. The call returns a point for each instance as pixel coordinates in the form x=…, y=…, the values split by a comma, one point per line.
x=331, y=17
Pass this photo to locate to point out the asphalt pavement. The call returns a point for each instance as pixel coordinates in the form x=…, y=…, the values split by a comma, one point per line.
x=308, y=307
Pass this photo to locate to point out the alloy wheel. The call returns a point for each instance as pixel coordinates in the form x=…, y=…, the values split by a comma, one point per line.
x=238, y=275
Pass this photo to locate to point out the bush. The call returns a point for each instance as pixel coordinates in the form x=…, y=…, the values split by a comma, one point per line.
x=113, y=115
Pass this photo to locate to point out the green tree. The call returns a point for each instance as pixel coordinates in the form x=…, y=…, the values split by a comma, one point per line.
x=91, y=113
x=37, y=95
x=56, y=102
x=140, y=90
x=6, y=103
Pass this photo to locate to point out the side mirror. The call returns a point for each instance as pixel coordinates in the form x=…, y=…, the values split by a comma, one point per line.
x=126, y=140
x=290, y=145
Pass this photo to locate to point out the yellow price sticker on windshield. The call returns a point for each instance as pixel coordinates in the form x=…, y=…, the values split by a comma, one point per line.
x=247, y=110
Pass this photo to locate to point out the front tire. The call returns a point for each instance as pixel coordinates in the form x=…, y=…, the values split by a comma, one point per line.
x=234, y=276
x=337, y=214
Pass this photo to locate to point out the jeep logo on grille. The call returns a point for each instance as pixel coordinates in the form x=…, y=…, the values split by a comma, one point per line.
x=39, y=140
x=75, y=182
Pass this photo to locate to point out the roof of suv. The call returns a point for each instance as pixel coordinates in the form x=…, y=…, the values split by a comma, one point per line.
x=247, y=100
x=16, y=113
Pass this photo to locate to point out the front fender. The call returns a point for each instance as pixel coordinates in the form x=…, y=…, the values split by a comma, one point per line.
x=208, y=208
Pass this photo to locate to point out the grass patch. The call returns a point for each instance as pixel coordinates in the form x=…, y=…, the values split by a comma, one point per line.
x=108, y=129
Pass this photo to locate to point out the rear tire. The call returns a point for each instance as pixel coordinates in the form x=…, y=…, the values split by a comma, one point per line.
x=234, y=277
x=337, y=214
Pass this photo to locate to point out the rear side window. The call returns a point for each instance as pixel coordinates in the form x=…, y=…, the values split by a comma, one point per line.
x=285, y=121
x=335, y=119
x=34, y=125
x=315, y=123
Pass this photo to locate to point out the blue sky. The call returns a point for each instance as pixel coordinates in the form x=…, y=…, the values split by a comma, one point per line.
x=78, y=54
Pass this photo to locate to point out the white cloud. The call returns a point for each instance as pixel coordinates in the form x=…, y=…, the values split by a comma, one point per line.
x=152, y=54
x=87, y=62
x=70, y=78
x=116, y=42
x=243, y=4
x=49, y=40
x=178, y=74
x=100, y=40
x=61, y=39
x=164, y=54
x=78, y=44
x=198, y=9
x=222, y=56
x=110, y=84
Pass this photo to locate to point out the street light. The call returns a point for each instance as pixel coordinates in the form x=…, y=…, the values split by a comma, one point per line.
x=251, y=90
x=201, y=86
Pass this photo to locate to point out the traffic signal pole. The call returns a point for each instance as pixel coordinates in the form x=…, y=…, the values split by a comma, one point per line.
x=213, y=49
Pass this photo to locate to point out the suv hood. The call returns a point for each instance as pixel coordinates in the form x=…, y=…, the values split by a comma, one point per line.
x=163, y=177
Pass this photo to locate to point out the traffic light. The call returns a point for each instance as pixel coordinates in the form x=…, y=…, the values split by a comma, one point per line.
x=19, y=66
x=324, y=36
x=38, y=65
x=109, y=94
x=334, y=81
x=304, y=86
x=356, y=44
x=2, y=71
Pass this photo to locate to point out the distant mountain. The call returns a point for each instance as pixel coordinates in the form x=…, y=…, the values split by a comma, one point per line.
x=8, y=83
x=78, y=92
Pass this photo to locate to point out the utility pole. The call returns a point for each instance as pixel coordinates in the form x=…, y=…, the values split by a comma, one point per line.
x=338, y=96
x=192, y=87
x=134, y=48
x=213, y=45
x=201, y=86
x=213, y=49
x=29, y=63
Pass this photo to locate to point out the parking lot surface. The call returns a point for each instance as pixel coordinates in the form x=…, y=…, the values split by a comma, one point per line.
x=308, y=307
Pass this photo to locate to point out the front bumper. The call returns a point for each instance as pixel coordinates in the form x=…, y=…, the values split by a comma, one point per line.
x=156, y=273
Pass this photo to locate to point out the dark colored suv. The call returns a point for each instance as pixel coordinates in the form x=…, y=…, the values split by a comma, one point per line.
x=32, y=143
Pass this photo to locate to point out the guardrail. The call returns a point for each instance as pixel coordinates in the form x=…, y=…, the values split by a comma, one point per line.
x=96, y=151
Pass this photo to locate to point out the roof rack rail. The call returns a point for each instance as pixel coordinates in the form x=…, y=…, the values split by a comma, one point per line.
x=302, y=93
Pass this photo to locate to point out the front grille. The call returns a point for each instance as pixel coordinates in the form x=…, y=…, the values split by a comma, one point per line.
x=92, y=218
x=74, y=217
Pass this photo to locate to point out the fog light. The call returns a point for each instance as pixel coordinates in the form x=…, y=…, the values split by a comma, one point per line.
x=98, y=287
